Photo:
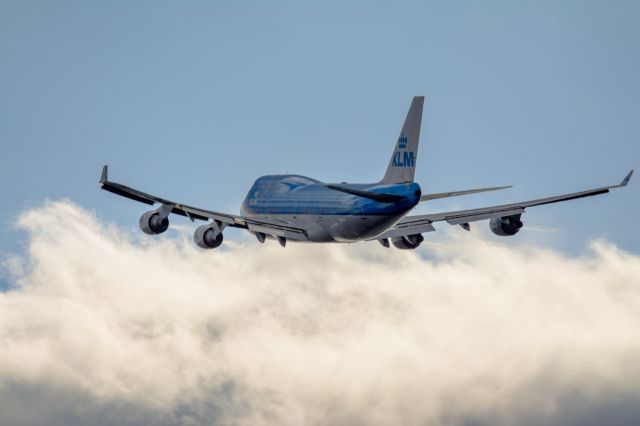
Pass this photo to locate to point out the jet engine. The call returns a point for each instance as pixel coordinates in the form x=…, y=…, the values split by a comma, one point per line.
x=507, y=225
x=208, y=236
x=408, y=242
x=152, y=223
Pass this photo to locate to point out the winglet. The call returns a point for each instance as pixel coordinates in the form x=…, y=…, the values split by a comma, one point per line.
x=625, y=181
x=105, y=174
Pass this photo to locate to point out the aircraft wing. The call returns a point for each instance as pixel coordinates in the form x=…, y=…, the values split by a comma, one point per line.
x=273, y=227
x=422, y=223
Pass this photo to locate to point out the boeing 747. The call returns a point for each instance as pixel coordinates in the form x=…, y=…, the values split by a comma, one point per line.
x=301, y=209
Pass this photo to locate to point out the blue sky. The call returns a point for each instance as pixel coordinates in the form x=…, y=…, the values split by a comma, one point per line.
x=195, y=100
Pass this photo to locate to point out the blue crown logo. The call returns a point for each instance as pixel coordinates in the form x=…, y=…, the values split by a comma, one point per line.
x=402, y=141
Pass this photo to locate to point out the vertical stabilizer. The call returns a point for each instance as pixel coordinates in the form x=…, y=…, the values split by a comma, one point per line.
x=402, y=164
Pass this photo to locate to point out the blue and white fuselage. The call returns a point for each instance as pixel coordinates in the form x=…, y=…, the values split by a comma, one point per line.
x=327, y=214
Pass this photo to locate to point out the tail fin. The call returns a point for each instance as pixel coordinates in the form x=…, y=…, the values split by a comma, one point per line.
x=402, y=165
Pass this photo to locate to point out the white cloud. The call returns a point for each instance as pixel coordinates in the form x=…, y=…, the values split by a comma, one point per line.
x=105, y=327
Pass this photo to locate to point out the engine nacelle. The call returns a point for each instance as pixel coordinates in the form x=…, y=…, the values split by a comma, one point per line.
x=208, y=236
x=152, y=223
x=408, y=242
x=506, y=226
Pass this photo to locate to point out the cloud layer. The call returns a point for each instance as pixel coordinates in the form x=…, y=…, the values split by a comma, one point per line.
x=103, y=326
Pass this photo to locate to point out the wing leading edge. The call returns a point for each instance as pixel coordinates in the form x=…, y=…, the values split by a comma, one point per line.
x=273, y=227
x=423, y=223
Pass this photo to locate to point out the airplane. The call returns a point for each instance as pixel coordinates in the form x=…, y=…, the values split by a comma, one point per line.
x=301, y=209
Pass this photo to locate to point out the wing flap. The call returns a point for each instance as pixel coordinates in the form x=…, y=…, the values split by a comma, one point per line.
x=179, y=209
x=127, y=192
x=277, y=231
x=459, y=219
x=400, y=231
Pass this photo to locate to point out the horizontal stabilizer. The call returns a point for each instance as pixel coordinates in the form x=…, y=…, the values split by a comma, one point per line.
x=376, y=196
x=457, y=193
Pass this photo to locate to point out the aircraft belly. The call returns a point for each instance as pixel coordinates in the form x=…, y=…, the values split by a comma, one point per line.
x=335, y=228
x=356, y=228
x=347, y=228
